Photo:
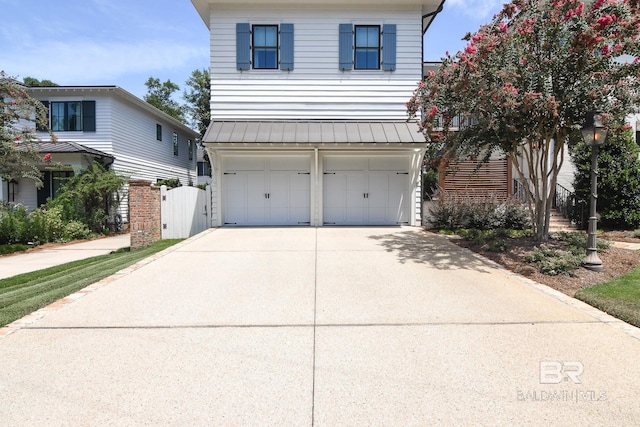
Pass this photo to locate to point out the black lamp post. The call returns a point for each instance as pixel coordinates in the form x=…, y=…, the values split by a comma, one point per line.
x=594, y=134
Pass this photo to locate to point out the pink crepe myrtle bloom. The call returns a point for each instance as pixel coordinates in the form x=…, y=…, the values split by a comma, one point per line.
x=47, y=157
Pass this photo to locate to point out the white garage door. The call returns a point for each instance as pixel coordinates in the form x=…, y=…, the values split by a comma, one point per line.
x=266, y=190
x=366, y=191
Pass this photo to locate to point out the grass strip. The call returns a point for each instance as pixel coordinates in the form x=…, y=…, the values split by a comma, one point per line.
x=619, y=297
x=26, y=293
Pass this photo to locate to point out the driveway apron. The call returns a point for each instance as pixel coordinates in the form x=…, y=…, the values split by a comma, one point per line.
x=321, y=326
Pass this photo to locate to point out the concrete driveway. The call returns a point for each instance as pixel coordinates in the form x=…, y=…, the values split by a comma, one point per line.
x=327, y=326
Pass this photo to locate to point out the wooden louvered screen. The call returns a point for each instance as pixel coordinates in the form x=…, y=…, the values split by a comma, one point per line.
x=465, y=179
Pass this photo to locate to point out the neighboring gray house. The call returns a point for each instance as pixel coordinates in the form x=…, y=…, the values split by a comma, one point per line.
x=112, y=126
x=308, y=110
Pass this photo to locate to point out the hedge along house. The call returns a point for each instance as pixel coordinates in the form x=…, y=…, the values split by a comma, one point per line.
x=112, y=126
x=308, y=111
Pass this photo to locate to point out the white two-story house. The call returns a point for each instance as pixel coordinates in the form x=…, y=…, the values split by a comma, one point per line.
x=109, y=125
x=308, y=110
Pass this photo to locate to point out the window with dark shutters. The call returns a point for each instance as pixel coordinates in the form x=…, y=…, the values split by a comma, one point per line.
x=367, y=47
x=264, y=47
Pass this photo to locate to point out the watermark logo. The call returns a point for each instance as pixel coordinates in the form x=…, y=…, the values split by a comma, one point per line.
x=555, y=372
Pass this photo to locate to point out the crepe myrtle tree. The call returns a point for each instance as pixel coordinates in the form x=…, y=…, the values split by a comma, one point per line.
x=19, y=112
x=525, y=82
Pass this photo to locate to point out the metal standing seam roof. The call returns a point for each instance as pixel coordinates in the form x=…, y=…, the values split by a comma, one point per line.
x=313, y=132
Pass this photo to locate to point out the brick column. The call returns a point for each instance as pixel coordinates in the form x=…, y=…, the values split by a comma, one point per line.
x=144, y=213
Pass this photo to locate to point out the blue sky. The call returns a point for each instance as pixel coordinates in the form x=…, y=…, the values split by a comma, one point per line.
x=124, y=42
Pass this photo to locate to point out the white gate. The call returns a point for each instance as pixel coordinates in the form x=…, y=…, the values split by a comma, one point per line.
x=184, y=211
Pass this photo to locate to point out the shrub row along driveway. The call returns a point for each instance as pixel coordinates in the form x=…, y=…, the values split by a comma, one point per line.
x=327, y=326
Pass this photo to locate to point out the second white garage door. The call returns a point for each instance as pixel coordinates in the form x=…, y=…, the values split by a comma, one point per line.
x=366, y=191
x=266, y=191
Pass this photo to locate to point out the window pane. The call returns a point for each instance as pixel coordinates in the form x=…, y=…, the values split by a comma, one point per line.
x=372, y=60
x=259, y=36
x=74, y=110
x=57, y=116
x=361, y=36
x=373, y=37
x=271, y=57
x=271, y=37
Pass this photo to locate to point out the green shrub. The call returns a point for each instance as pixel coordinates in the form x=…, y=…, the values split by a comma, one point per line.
x=87, y=197
x=76, y=230
x=46, y=225
x=9, y=249
x=452, y=211
x=14, y=224
x=618, y=179
x=497, y=245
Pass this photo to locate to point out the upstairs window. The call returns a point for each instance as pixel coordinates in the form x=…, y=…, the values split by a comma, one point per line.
x=265, y=47
x=69, y=116
x=158, y=132
x=190, y=143
x=66, y=116
x=367, y=47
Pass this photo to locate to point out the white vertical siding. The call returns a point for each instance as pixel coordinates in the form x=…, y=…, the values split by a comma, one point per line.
x=316, y=88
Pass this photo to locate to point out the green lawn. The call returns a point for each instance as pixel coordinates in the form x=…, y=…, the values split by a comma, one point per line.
x=619, y=297
x=26, y=293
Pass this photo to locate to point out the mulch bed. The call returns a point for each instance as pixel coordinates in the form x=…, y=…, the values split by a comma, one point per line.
x=616, y=262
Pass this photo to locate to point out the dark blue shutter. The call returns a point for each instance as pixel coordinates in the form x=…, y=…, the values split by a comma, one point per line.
x=346, y=46
x=286, y=47
x=89, y=116
x=243, y=46
x=389, y=47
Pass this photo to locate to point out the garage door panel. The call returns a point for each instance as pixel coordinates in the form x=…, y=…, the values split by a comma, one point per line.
x=267, y=196
x=379, y=193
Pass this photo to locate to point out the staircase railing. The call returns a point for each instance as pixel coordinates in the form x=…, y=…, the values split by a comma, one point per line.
x=569, y=206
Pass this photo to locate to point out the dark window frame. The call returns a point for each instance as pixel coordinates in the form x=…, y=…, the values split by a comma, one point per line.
x=256, y=49
x=158, y=132
x=175, y=144
x=63, y=119
x=367, y=49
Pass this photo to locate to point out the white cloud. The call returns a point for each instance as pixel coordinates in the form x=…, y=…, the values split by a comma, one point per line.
x=480, y=10
x=94, y=62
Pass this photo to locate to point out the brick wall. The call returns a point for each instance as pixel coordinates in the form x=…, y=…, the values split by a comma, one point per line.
x=144, y=212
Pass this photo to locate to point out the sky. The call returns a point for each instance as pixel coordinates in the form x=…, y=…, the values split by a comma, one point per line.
x=124, y=42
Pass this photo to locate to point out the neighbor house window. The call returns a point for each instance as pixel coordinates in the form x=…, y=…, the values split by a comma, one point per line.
x=159, y=132
x=175, y=143
x=367, y=47
x=70, y=116
x=190, y=143
x=265, y=47
x=66, y=116
x=204, y=168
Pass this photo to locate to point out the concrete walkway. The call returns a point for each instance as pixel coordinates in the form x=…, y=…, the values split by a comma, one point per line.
x=327, y=326
x=38, y=259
